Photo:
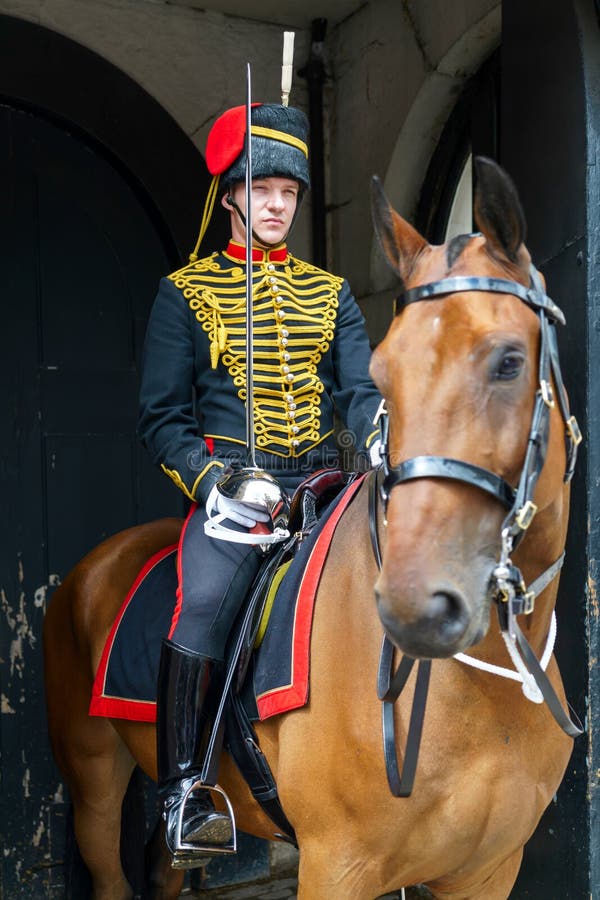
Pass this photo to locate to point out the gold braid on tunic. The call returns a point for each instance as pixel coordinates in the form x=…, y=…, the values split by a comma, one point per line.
x=295, y=309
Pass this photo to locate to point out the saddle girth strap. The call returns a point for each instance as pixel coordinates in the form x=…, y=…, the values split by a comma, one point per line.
x=252, y=763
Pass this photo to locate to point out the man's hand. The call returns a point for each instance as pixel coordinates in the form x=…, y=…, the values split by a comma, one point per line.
x=244, y=514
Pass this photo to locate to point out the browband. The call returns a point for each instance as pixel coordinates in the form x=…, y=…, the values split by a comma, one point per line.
x=532, y=297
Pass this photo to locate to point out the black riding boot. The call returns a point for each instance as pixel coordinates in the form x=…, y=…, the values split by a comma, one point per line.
x=186, y=706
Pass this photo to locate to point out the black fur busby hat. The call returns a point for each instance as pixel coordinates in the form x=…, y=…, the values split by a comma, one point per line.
x=279, y=144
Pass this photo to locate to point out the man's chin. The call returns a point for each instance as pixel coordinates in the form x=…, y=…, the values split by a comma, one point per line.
x=264, y=239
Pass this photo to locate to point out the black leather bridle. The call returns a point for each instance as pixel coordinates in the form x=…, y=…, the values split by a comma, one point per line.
x=518, y=501
x=507, y=585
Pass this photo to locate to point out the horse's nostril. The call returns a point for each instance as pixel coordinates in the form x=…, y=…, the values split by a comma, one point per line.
x=446, y=608
x=445, y=614
x=437, y=628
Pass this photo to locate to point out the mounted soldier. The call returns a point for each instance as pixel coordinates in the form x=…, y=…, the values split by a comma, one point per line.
x=308, y=355
x=471, y=504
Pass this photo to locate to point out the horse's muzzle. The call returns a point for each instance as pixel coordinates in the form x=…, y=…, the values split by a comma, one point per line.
x=442, y=626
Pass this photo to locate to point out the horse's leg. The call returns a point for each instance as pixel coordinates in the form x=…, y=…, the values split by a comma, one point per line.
x=335, y=870
x=162, y=881
x=494, y=886
x=89, y=753
x=97, y=783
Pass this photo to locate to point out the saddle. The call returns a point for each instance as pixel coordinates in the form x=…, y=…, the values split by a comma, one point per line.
x=257, y=685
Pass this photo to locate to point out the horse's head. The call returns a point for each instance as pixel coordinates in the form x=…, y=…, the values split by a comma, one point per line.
x=459, y=372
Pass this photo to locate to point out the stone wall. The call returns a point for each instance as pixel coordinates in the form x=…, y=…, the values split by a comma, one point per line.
x=397, y=72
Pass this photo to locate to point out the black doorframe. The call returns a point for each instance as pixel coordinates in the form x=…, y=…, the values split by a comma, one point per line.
x=116, y=114
x=550, y=117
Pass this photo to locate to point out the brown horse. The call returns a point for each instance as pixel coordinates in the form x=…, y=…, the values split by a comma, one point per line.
x=459, y=374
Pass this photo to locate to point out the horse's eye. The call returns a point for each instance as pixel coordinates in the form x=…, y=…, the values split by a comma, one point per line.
x=509, y=366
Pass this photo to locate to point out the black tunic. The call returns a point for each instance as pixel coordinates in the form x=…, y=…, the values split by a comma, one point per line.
x=311, y=355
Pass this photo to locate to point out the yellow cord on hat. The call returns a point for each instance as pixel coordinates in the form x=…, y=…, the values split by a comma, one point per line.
x=281, y=136
x=206, y=215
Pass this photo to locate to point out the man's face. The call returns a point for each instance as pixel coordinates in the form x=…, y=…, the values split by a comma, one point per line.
x=274, y=202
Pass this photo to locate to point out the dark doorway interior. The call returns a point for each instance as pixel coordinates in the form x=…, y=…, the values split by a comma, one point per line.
x=81, y=259
x=93, y=214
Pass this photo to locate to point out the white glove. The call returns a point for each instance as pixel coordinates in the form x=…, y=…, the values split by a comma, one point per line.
x=244, y=514
x=375, y=456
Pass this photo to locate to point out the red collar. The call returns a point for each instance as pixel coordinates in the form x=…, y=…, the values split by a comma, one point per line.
x=238, y=251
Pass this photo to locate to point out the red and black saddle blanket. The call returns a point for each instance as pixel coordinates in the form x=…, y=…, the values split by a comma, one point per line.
x=125, y=683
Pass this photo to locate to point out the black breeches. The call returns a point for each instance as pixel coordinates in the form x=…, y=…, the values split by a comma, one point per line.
x=214, y=577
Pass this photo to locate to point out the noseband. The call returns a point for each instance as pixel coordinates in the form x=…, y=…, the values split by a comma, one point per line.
x=507, y=585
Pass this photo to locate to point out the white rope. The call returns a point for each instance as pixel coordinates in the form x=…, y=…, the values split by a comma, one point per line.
x=530, y=688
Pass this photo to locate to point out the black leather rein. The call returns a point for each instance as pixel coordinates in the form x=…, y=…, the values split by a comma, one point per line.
x=507, y=586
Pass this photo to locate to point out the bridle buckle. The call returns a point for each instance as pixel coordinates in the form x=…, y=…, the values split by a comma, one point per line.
x=574, y=430
x=528, y=602
x=524, y=516
x=546, y=393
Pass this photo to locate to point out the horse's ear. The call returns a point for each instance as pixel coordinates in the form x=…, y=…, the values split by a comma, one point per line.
x=497, y=209
x=401, y=242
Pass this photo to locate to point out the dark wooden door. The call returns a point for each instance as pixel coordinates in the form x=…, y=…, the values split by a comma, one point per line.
x=81, y=258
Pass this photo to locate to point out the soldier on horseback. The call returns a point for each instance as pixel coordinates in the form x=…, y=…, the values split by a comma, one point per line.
x=310, y=356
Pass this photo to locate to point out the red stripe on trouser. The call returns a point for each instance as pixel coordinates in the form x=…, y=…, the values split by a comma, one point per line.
x=179, y=592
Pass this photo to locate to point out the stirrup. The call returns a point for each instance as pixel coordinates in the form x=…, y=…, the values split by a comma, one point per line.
x=187, y=855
